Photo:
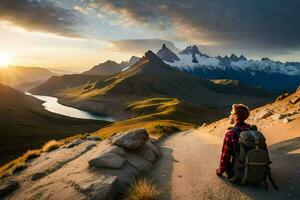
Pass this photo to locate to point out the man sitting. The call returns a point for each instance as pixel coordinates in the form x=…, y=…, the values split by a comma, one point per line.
x=238, y=115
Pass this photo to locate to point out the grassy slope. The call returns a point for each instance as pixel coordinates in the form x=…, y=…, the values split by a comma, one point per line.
x=159, y=115
x=25, y=124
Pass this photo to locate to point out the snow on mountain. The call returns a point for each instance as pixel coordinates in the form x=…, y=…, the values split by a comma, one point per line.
x=191, y=58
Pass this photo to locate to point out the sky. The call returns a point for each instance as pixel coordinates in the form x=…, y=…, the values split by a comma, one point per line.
x=78, y=34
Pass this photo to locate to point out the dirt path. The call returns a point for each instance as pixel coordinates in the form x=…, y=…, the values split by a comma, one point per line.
x=187, y=171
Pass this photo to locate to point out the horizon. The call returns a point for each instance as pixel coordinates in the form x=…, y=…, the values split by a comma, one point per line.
x=82, y=34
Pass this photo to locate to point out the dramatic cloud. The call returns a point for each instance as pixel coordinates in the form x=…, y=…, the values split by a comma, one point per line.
x=268, y=24
x=36, y=15
x=140, y=46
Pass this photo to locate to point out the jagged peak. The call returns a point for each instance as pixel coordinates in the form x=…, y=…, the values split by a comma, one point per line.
x=242, y=57
x=191, y=50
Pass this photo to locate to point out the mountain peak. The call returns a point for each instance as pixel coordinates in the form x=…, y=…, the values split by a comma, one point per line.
x=233, y=57
x=166, y=54
x=191, y=50
x=242, y=57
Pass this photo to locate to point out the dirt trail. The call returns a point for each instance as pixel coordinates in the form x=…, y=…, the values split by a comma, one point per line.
x=187, y=171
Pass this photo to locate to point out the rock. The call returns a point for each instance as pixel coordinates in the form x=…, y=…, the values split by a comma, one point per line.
x=7, y=187
x=75, y=143
x=94, y=138
x=97, y=188
x=131, y=139
x=146, y=153
x=107, y=160
x=116, y=150
x=286, y=120
x=125, y=177
x=265, y=114
x=139, y=163
x=277, y=116
x=295, y=100
x=283, y=96
x=154, y=148
x=38, y=175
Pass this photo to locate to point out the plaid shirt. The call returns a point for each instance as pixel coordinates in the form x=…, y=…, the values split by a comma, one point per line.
x=229, y=145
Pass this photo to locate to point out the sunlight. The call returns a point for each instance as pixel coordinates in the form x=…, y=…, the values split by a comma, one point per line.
x=5, y=60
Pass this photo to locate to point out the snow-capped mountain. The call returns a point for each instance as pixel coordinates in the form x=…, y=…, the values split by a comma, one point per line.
x=266, y=73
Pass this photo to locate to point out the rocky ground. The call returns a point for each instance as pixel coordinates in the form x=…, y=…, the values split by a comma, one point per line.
x=84, y=169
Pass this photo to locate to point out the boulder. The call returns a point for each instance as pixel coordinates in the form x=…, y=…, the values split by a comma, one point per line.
x=125, y=177
x=74, y=143
x=107, y=160
x=139, y=163
x=94, y=138
x=146, y=153
x=97, y=188
x=7, y=187
x=295, y=100
x=116, y=150
x=265, y=114
x=131, y=139
x=38, y=175
x=277, y=116
x=286, y=120
x=154, y=148
x=283, y=96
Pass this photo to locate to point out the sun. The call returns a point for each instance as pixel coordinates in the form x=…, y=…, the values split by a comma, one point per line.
x=5, y=60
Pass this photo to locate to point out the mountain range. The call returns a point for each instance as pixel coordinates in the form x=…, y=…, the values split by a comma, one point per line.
x=111, y=67
x=150, y=77
x=24, y=78
x=265, y=73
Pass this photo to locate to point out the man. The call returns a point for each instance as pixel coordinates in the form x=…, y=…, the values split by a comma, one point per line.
x=238, y=115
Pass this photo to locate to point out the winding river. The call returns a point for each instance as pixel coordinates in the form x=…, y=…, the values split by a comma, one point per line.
x=52, y=105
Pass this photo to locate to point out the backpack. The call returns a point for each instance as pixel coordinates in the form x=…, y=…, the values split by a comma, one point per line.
x=251, y=158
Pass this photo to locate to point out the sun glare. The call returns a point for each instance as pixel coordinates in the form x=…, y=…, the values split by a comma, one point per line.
x=5, y=60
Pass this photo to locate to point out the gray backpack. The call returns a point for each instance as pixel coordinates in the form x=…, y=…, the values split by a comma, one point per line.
x=251, y=158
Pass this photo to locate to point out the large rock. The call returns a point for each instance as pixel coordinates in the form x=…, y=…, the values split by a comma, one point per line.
x=97, y=188
x=75, y=143
x=154, y=148
x=107, y=160
x=7, y=186
x=94, y=138
x=139, y=163
x=116, y=150
x=295, y=100
x=264, y=114
x=277, y=116
x=146, y=153
x=131, y=139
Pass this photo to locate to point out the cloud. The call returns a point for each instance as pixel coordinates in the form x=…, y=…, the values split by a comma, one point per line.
x=140, y=46
x=43, y=16
x=269, y=24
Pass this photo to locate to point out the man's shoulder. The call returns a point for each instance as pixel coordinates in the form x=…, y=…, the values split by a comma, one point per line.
x=230, y=131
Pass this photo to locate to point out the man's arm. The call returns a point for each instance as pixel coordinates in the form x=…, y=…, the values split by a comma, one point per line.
x=225, y=156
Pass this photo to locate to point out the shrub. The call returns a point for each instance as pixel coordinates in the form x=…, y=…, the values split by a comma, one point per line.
x=160, y=131
x=142, y=190
x=31, y=154
x=51, y=145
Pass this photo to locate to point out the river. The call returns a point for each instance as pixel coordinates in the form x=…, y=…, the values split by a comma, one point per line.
x=52, y=105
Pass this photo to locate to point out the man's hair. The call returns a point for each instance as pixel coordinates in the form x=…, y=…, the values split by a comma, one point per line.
x=241, y=110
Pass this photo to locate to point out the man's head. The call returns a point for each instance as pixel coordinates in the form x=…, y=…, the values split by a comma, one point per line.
x=239, y=113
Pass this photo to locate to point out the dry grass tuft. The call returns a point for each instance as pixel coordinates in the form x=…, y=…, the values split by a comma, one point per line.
x=142, y=190
x=31, y=154
x=51, y=145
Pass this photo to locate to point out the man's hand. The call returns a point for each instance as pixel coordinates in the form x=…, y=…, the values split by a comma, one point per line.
x=218, y=172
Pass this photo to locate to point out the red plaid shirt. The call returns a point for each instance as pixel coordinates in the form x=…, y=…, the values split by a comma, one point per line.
x=229, y=145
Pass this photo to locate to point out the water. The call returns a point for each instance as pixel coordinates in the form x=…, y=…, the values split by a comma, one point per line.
x=51, y=104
